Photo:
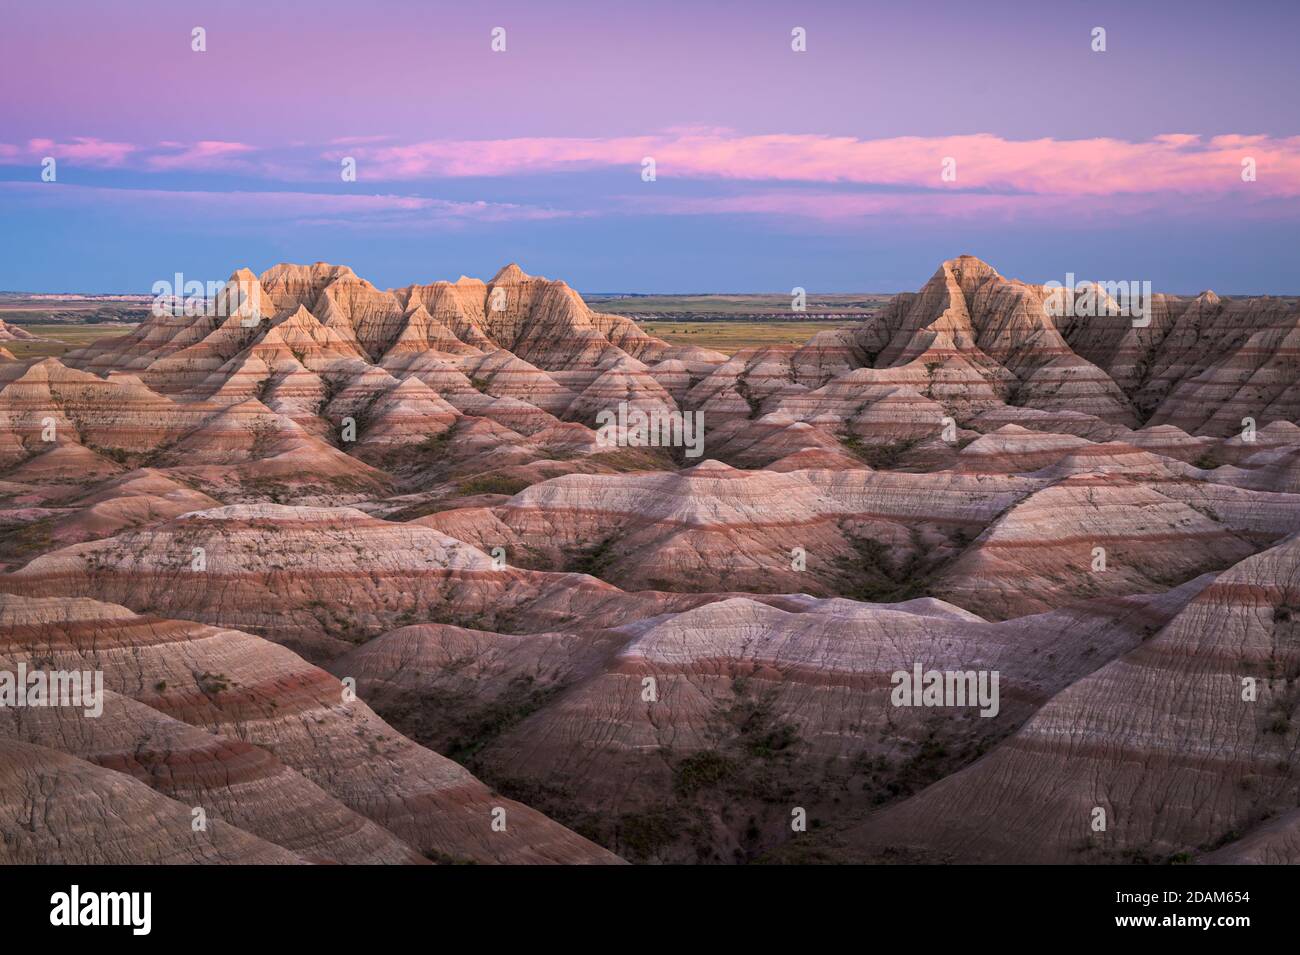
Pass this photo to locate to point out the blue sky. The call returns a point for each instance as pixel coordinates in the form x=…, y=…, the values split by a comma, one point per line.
x=774, y=168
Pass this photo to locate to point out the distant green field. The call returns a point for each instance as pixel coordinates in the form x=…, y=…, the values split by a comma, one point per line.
x=817, y=307
x=64, y=339
x=24, y=310
x=731, y=336
x=725, y=336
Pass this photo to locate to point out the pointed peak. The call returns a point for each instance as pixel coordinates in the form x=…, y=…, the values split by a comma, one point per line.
x=710, y=468
x=50, y=369
x=410, y=385
x=247, y=406
x=318, y=272
x=969, y=265
x=509, y=274
x=300, y=315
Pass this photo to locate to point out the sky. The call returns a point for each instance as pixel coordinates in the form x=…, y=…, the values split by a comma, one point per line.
x=902, y=134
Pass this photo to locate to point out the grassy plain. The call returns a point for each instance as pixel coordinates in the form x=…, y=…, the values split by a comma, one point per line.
x=817, y=307
x=731, y=336
x=54, y=340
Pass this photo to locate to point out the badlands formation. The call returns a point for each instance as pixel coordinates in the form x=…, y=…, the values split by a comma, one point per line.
x=367, y=583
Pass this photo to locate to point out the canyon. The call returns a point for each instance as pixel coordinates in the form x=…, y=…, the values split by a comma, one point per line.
x=367, y=583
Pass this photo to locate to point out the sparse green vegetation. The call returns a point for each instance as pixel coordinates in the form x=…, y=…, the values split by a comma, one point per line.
x=116, y=455
x=211, y=684
x=492, y=484
x=876, y=577
x=458, y=724
x=731, y=337
x=751, y=399
x=56, y=340
x=27, y=542
x=882, y=457
x=642, y=834
x=593, y=560
x=702, y=770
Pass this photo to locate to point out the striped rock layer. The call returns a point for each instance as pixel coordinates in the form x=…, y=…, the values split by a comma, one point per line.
x=368, y=582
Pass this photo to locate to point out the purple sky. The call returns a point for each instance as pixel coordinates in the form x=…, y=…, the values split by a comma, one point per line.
x=773, y=168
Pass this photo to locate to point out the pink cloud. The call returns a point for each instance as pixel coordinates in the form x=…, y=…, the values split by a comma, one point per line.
x=358, y=140
x=86, y=151
x=777, y=175
x=1100, y=166
x=299, y=207
x=498, y=157
x=83, y=150
x=1174, y=163
x=205, y=154
x=848, y=207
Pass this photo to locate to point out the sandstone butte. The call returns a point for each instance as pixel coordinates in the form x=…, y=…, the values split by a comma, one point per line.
x=627, y=654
